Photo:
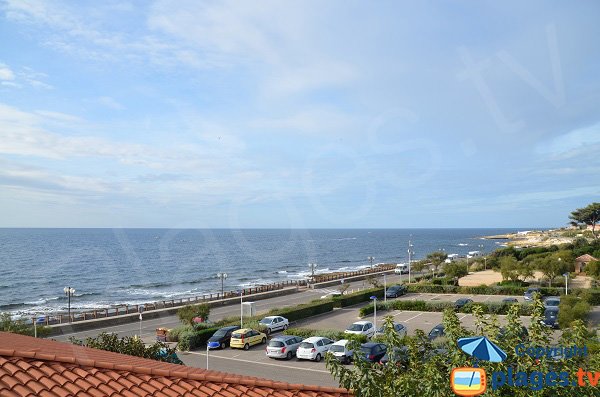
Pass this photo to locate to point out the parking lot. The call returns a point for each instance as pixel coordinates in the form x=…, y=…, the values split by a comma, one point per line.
x=255, y=363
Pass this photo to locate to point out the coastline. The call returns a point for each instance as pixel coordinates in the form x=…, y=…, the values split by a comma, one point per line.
x=534, y=238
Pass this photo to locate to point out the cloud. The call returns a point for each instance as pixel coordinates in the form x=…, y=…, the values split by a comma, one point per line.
x=6, y=74
x=110, y=103
x=572, y=143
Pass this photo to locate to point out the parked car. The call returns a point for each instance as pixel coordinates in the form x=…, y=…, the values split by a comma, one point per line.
x=372, y=351
x=397, y=355
x=340, y=351
x=361, y=328
x=283, y=346
x=331, y=294
x=246, y=337
x=552, y=301
x=222, y=337
x=510, y=301
x=460, y=303
x=395, y=291
x=436, y=332
x=399, y=328
x=528, y=295
x=551, y=317
x=522, y=333
x=313, y=348
x=275, y=323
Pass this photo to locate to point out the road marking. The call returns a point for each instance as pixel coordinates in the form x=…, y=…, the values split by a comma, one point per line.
x=413, y=317
x=434, y=297
x=261, y=363
x=487, y=298
x=464, y=315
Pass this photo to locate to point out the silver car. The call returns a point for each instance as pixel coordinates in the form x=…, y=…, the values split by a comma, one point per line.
x=283, y=346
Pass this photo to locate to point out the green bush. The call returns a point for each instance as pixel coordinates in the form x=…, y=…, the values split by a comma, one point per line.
x=425, y=306
x=187, y=313
x=361, y=296
x=303, y=311
x=191, y=339
x=173, y=334
x=572, y=308
x=327, y=333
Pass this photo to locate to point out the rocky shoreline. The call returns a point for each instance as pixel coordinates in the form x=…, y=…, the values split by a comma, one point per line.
x=533, y=238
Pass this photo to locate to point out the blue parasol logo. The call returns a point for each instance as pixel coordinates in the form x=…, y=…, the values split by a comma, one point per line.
x=482, y=348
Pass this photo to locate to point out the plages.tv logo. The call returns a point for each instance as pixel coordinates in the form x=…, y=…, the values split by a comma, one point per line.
x=472, y=381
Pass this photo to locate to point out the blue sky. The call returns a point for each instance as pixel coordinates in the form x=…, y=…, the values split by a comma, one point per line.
x=298, y=114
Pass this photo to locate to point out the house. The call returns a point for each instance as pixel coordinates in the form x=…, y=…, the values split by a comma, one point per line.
x=582, y=261
x=42, y=367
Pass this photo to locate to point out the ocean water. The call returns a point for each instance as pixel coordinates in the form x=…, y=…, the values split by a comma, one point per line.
x=116, y=266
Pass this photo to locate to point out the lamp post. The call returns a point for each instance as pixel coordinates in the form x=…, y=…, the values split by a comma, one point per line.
x=566, y=283
x=410, y=252
x=312, y=267
x=371, y=259
x=223, y=277
x=384, y=289
x=432, y=267
x=69, y=292
x=374, y=298
x=141, y=310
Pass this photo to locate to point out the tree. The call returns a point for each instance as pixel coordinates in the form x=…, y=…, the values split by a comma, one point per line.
x=593, y=269
x=423, y=367
x=509, y=268
x=552, y=265
x=589, y=216
x=455, y=270
x=419, y=265
x=436, y=258
x=187, y=313
x=132, y=346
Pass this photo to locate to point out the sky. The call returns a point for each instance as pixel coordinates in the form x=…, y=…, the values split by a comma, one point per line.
x=304, y=114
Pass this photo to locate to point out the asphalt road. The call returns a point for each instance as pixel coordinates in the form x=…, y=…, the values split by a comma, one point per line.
x=148, y=331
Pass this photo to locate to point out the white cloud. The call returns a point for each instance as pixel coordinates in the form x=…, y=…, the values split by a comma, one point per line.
x=110, y=103
x=573, y=142
x=6, y=74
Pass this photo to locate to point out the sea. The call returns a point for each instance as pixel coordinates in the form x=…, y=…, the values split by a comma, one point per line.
x=134, y=266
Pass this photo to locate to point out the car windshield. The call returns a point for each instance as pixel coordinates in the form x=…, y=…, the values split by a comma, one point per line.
x=552, y=302
x=336, y=348
x=366, y=350
x=219, y=333
x=276, y=343
x=307, y=345
x=355, y=327
x=236, y=336
x=266, y=321
x=531, y=290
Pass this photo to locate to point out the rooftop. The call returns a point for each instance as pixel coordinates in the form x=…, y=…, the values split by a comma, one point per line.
x=46, y=368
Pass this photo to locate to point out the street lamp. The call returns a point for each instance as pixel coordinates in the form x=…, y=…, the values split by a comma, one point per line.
x=371, y=259
x=69, y=292
x=140, y=311
x=374, y=298
x=384, y=289
x=312, y=267
x=566, y=283
x=223, y=277
x=432, y=267
x=410, y=252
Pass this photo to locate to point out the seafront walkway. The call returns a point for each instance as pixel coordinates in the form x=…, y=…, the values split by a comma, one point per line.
x=130, y=325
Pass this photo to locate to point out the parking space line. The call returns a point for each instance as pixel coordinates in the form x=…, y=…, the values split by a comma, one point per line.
x=433, y=297
x=262, y=363
x=413, y=317
x=463, y=316
x=487, y=298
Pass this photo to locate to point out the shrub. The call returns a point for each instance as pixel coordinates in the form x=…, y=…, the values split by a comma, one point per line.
x=424, y=306
x=187, y=313
x=191, y=339
x=305, y=310
x=572, y=308
x=361, y=296
x=327, y=333
x=173, y=334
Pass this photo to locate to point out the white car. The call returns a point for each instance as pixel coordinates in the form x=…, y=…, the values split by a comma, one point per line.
x=401, y=268
x=331, y=294
x=361, y=328
x=340, y=351
x=275, y=323
x=313, y=348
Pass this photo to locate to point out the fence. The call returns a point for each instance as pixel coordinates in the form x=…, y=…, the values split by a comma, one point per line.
x=337, y=276
x=119, y=310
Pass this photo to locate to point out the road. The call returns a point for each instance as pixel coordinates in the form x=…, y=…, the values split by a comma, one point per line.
x=217, y=313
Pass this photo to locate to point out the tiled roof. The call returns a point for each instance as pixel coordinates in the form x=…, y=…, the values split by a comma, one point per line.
x=585, y=258
x=41, y=367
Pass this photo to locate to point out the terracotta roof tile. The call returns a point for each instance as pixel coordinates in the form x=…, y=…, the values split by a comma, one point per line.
x=45, y=368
